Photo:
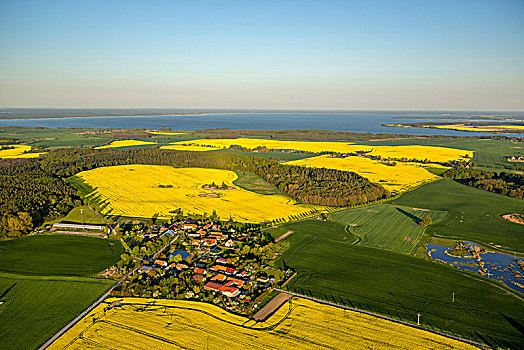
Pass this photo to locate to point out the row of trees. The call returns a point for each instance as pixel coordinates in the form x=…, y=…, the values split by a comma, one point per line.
x=507, y=184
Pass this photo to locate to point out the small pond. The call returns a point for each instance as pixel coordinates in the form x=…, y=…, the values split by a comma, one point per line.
x=503, y=267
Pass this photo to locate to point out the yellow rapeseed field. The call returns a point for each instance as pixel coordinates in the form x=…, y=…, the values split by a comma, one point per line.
x=18, y=152
x=166, y=133
x=126, y=143
x=485, y=128
x=135, y=191
x=434, y=154
x=396, y=179
x=300, y=324
x=190, y=148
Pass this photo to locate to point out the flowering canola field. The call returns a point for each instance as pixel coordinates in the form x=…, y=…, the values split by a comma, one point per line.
x=434, y=154
x=396, y=179
x=166, y=133
x=300, y=324
x=484, y=128
x=144, y=190
x=18, y=152
x=126, y=143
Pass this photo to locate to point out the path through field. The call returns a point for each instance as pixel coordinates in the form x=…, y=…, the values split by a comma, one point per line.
x=275, y=304
x=284, y=236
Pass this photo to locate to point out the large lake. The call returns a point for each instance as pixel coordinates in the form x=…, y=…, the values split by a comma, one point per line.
x=353, y=122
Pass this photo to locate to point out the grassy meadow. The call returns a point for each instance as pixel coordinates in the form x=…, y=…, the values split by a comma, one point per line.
x=387, y=226
x=89, y=217
x=58, y=255
x=45, y=281
x=330, y=268
x=474, y=215
x=146, y=190
x=299, y=324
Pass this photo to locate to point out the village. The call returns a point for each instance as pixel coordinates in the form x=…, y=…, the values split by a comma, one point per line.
x=200, y=260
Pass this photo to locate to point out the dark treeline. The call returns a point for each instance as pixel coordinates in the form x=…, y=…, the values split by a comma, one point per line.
x=28, y=196
x=328, y=135
x=507, y=184
x=322, y=186
x=36, y=186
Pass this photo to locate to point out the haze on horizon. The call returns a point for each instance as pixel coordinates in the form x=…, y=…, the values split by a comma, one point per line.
x=403, y=55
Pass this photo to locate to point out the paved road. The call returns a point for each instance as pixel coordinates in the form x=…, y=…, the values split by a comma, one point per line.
x=96, y=303
x=385, y=318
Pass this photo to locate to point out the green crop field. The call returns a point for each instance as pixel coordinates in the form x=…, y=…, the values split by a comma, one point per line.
x=400, y=285
x=87, y=216
x=322, y=230
x=58, y=255
x=45, y=282
x=474, y=215
x=35, y=308
x=253, y=182
x=387, y=226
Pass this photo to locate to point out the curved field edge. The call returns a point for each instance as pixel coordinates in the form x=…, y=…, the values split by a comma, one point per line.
x=398, y=285
x=147, y=190
x=387, y=226
x=300, y=323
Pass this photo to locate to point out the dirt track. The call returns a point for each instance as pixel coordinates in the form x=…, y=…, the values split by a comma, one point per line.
x=272, y=307
x=284, y=236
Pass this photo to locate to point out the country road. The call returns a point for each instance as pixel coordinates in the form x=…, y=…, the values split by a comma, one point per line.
x=99, y=300
x=385, y=318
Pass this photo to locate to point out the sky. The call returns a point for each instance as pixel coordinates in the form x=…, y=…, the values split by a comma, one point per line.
x=409, y=55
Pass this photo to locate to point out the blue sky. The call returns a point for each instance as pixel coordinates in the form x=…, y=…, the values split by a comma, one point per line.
x=263, y=54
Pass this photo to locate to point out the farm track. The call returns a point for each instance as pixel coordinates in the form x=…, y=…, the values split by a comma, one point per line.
x=386, y=318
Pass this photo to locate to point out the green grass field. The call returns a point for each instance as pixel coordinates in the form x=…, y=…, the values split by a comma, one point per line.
x=35, y=308
x=321, y=230
x=45, y=282
x=387, y=226
x=58, y=255
x=87, y=216
x=253, y=182
x=399, y=285
x=474, y=215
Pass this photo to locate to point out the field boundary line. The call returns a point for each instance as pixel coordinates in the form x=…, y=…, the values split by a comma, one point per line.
x=84, y=313
x=97, y=302
x=386, y=318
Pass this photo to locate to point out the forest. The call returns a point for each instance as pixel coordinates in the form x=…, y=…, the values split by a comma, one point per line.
x=506, y=184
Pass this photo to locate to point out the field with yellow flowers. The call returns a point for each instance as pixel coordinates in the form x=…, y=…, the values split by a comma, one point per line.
x=18, y=151
x=483, y=128
x=126, y=143
x=144, y=190
x=434, y=154
x=166, y=133
x=300, y=324
x=395, y=178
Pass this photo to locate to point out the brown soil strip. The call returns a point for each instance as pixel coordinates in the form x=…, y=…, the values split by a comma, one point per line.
x=284, y=236
x=272, y=307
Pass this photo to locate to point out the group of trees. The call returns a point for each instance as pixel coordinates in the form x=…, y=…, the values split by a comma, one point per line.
x=29, y=195
x=322, y=186
x=507, y=184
